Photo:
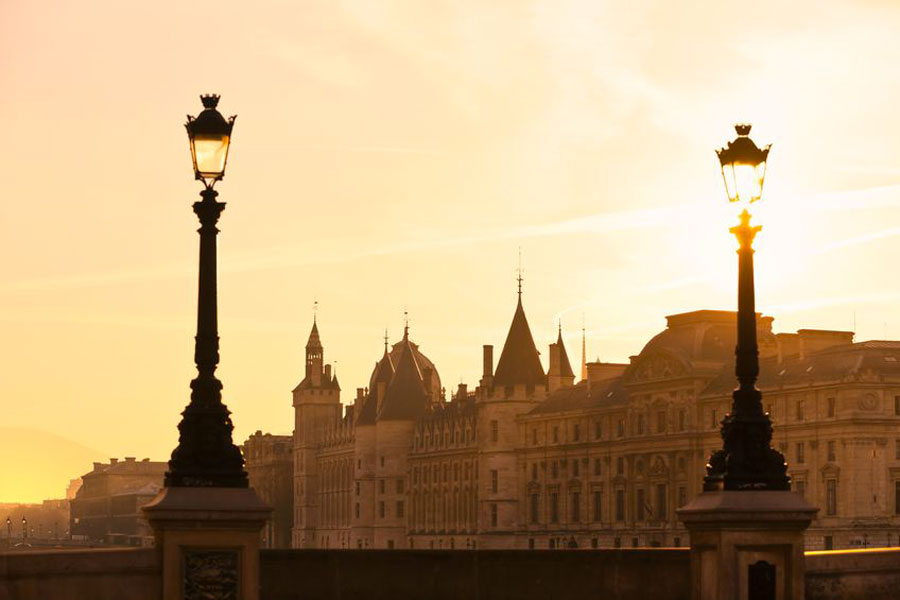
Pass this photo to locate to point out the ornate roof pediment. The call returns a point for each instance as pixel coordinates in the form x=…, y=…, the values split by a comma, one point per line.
x=655, y=367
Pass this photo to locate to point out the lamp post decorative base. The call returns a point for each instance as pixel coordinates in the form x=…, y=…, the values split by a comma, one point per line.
x=208, y=540
x=747, y=545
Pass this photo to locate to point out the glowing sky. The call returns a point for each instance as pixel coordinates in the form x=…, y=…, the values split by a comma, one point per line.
x=395, y=155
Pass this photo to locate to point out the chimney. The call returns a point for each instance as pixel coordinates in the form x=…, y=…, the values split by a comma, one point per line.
x=813, y=340
x=348, y=411
x=462, y=392
x=788, y=345
x=97, y=466
x=129, y=459
x=327, y=372
x=113, y=461
x=360, y=395
x=488, y=362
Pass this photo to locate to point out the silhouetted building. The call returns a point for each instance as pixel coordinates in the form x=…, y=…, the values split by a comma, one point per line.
x=269, y=462
x=107, y=506
x=533, y=460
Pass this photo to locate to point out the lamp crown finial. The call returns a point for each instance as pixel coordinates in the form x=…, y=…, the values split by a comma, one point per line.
x=210, y=101
x=743, y=129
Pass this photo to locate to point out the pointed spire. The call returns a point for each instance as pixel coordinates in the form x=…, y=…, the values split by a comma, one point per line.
x=519, y=362
x=406, y=325
x=385, y=340
x=314, y=342
x=583, y=350
x=565, y=367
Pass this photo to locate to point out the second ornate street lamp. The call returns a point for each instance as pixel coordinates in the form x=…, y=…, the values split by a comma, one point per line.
x=206, y=455
x=747, y=460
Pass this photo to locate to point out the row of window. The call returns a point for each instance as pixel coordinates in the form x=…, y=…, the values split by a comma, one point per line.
x=437, y=440
x=445, y=472
x=643, y=509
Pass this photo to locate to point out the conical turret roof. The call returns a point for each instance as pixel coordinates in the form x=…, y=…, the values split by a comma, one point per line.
x=406, y=397
x=565, y=367
x=519, y=362
x=383, y=373
x=314, y=343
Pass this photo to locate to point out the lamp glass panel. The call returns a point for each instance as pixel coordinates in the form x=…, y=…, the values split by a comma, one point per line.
x=730, y=186
x=210, y=153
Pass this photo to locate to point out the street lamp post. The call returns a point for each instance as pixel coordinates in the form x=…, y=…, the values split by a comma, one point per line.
x=205, y=455
x=747, y=461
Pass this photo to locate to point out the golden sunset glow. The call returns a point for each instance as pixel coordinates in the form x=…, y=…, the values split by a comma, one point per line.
x=394, y=156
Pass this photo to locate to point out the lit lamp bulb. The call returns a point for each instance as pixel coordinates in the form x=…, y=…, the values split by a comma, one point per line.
x=743, y=167
x=210, y=137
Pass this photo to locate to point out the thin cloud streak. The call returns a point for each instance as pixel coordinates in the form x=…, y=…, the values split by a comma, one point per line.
x=290, y=256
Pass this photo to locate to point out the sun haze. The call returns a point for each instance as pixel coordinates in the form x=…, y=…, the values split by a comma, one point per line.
x=392, y=156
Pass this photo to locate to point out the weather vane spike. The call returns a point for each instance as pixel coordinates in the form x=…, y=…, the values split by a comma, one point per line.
x=405, y=324
x=315, y=310
x=519, y=278
x=385, y=339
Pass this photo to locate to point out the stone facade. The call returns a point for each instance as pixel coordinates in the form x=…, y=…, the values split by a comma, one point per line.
x=269, y=462
x=534, y=460
x=107, y=506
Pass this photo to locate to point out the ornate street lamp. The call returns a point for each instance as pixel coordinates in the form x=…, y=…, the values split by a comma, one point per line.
x=206, y=455
x=747, y=461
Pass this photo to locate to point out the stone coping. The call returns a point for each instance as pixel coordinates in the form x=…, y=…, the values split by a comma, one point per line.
x=207, y=504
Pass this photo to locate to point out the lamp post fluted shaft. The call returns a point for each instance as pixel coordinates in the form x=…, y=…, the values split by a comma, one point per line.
x=206, y=455
x=747, y=461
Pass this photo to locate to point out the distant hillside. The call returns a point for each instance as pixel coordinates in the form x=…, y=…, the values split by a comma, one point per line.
x=35, y=465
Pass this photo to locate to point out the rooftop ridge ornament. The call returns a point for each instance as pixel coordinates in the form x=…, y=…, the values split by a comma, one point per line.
x=210, y=100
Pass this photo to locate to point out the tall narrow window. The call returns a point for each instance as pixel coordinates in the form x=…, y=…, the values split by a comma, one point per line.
x=660, y=421
x=494, y=480
x=495, y=431
x=830, y=402
x=576, y=507
x=639, y=504
x=554, y=469
x=381, y=509
x=641, y=424
x=598, y=430
x=598, y=503
x=399, y=486
x=555, y=434
x=831, y=497
x=596, y=466
x=554, y=507
x=832, y=455
x=897, y=497
x=493, y=515
x=534, y=471
x=620, y=466
x=534, y=437
x=620, y=505
x=897, y=405
x=400, y=508
x=534, y=508
x=799, y=410
x=575, y=467
x=576, y=432
x=801, y=454
x=682, y=418
x=620, y=428
x=661, y=502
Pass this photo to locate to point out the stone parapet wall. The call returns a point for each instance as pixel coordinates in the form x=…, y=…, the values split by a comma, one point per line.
x=437, y=575
x=853, y=574
x=81, y=574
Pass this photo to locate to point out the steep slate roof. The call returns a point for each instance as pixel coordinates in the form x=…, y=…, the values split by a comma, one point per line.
x=565, y=369
x=519, y=362
x=314, y=343
x=831, y=364
x=405, y=398
x=577, y=397
x=383, y=373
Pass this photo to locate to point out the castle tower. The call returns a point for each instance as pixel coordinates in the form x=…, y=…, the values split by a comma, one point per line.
x=405, y=401
x=515, y=388
x=559, y=372
x=362, y=532
x=317, y=406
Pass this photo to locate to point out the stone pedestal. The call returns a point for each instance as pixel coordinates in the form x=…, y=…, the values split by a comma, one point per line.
x=209, y=542
x=747, y=545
